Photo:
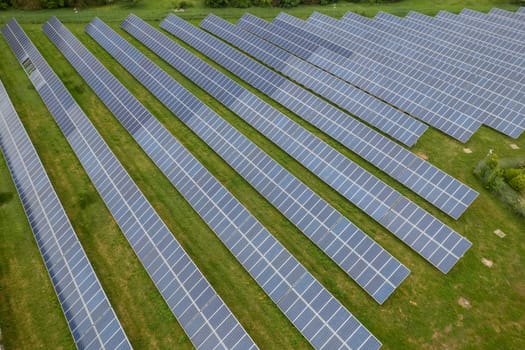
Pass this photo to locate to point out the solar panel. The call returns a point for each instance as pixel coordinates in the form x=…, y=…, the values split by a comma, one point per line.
x=406, y=220
x=373, y=147
x=368, y=108
x=501, y=22
x=457, y=74
x=90, y=317
x=369, y=78
x=505, y=24
x=418, y=65
x=507, y=19
x=480, y=53
x=276, y=271
x=449, y=22
x=465, y=43
x=374, y=269
x=200, y=311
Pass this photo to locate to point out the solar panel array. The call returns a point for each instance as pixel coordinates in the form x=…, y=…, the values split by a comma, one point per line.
x=200, y=311
x=467, y=26
x=411, y=68
x=361, y=258
x=457, y=71
x=506, y=26
x=374, y=269
x=368, y=108
x=428, y=181
x=507, y=19
x=90, y=317
x=323, y=320
x=450, y=47
x=211, y=324
x=463, y=44
x=271, y=265
x=379, y=80
x=486, y=64
x=435, y=241
x=454, y=72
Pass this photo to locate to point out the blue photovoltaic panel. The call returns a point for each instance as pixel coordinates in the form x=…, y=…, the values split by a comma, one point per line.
x=428, y=236
x=478, y=31
x=89, y=315
x=373, y=78
x=406, y=167
x=480, y=49
x=204, y=328
x=499, y=22
x=466, y=54
x=200, y=311
x=506, y=59
x=455, y=71
x=368, y=108
x=504, y=25
x=377, y=49
x=308, y=305
x=361, y=258
x=495, y=70
x=513, y=18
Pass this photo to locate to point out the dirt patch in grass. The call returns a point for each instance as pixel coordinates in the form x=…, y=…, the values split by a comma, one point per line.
x=422, y=155
x=487, y=262
x=463, y=302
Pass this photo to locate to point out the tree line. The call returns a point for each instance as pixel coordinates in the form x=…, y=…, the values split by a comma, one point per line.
x=49, y=4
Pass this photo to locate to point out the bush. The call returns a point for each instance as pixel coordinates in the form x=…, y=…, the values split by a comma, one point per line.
x=51, y=4
x=507, y=184
x=518, y=183
x=289, y=3
x=217, y=3
x=184, y=4
x=511, y=173
x=4, y=4
x=262, y=3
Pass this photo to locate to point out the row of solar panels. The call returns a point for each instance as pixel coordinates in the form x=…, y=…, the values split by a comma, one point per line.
x=374, y=269
x=452, y=72
x=207, y=321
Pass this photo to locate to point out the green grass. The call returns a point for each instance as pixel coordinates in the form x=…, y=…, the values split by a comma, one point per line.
x=422, y=314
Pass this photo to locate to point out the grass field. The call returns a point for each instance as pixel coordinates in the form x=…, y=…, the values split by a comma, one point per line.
x=422, y=314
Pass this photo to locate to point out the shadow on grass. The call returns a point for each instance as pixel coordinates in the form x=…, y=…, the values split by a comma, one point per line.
x=5, y=197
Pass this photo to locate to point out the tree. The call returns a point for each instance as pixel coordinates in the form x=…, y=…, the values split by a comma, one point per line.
x=4, y=4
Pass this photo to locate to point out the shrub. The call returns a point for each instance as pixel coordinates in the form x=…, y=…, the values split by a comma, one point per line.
x=511, y=173
x=184, y=4
x=289, y=3
x=505, y=183
x=4, y=4
x=518, y=183
x=262, y=3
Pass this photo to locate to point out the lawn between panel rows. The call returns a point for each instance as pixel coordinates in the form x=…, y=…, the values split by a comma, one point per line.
x=422, y=314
